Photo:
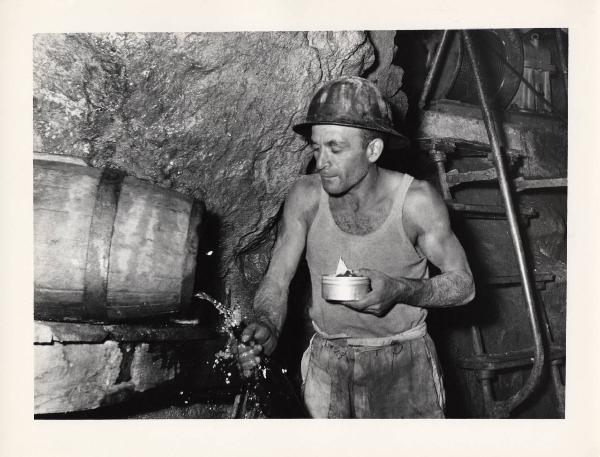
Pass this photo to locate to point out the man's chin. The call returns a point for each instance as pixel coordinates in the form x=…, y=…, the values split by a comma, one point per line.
x=332, y=190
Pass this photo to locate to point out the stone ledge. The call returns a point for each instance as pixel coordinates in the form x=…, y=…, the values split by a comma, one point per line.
x=46, y=332
x=75, y=377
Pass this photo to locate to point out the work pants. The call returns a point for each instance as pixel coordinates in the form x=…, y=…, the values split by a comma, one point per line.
x=401, y=379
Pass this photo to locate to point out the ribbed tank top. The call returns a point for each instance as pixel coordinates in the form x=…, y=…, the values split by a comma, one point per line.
x=386, y=249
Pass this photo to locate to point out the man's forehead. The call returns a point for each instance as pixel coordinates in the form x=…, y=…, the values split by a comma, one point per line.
x=330, y=132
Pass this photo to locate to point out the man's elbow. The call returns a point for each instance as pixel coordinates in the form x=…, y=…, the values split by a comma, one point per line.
x=466, y=290
x=469, y=291
x=470, y=297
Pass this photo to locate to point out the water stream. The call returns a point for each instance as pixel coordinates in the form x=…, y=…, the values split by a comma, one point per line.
x=266, y=381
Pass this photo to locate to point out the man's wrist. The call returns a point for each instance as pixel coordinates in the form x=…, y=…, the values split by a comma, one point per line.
x=267, y=322
x=410, y=291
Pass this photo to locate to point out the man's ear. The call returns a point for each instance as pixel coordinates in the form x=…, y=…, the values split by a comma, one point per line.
x=374, y=149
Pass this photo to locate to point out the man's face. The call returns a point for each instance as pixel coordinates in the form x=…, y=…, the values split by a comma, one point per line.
x=340, y=157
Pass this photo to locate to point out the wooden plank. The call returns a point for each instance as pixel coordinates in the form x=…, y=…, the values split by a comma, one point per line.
x=496, y=210
x=59, y=158
x=62, y=298
x=506, y=360
x=63, y=203
x=149, y=245
x=454, y=178
x=525, y=184
x=190, y=253
x=149, y=334
x=71, y=332
x=516, y=279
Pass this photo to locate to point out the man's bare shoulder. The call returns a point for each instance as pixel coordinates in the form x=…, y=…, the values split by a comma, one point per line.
x=306, y=189
x=424, y=205
x=422, y=192
x=303, y=197
x=419, y=191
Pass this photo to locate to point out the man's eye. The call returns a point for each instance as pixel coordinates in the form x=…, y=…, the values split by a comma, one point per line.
x=336, y=150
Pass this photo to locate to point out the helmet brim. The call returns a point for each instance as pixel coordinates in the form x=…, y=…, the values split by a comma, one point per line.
x=394, y=140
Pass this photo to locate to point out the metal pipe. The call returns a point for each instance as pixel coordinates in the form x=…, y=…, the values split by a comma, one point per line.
x=439, y=157
x=488, y=117
x=486, y=382
x=434, y=69
x=563, y=60
x=559, y=390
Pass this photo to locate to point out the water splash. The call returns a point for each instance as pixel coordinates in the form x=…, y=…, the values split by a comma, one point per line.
x=247, y=404
x=232, y=317
x=253, y=400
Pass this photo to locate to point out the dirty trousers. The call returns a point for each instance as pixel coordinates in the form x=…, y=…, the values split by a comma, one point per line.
x=380, y=378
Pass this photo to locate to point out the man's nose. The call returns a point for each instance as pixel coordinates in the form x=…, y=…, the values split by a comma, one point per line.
x=322, y=160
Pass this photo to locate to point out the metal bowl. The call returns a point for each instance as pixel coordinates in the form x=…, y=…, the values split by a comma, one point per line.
x=344, y=288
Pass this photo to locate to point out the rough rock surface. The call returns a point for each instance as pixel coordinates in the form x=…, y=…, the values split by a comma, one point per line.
x=387, y=75
x=74, y=377
x=207, y=114
x=81, y=376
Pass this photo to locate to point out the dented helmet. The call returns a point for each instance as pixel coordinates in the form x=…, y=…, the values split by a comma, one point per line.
x=354, y=102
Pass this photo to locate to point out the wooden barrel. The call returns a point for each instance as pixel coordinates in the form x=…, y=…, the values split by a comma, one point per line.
x=109, y=246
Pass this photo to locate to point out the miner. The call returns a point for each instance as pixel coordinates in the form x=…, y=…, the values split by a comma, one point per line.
x=370, y=357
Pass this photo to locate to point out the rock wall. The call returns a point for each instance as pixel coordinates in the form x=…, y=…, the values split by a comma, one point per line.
x=206, y=114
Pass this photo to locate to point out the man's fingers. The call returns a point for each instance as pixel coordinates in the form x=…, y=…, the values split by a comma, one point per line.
x=249, y=357
x=261, y=334
x=256, y=332
x=250, y=363
x=249, y=350
x=256, y=339
x=363, y=272
x=361, y=304
x=353, y=304
x=368, y=304
x=369, y=309
x=249, y=332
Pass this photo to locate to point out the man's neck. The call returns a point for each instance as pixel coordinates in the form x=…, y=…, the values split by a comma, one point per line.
x=365, y=191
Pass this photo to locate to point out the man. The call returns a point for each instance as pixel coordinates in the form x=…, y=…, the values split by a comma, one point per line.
x=371, y=357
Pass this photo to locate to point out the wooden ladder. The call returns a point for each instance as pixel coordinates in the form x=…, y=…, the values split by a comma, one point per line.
x=487, y=365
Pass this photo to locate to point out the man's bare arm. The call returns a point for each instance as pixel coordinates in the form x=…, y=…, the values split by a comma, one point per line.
x=270, y=302
x=426, y=217
x=436, y=240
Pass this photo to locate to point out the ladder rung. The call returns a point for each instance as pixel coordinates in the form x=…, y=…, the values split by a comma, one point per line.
x=516, y=279
x=524, y=184
x=454, y=177
x=512, y=359
x=492, y=210
x=463, y=148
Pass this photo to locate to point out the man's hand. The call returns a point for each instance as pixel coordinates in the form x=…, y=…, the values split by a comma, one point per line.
x=257, y=338
x=385, y=292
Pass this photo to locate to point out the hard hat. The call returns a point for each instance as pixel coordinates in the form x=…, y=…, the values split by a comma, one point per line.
x=354, y=102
